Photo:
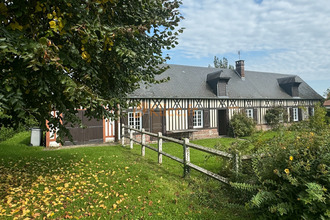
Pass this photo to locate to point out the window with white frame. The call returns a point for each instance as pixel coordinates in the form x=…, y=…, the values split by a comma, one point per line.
x=312, y=111
x=295, y=114
x=249, y=112
x=198, y=118
x=135, y=120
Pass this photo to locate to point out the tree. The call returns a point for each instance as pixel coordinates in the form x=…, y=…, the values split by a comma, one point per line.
x=65, y=54
x=327, y=94
x=218, y=63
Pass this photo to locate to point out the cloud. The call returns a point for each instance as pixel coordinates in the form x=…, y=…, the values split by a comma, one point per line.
x=293, y=36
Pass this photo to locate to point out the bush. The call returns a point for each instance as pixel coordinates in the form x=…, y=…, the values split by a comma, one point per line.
x=290, y=178
x=275, y=116
x=240, y=125
x=8, y=129
x=6, y=133
x=316, y=123
x=327, y=119
x=318, y=120
x=300, y=126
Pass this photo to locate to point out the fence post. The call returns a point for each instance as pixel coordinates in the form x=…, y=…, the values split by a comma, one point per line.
x=131, y=138
x=143, y=143
x=122, y=135
x=160, y=147
x=186, y=157
x=236, y=163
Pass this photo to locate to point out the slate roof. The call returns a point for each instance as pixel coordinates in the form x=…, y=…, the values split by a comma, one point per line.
x=191, y=82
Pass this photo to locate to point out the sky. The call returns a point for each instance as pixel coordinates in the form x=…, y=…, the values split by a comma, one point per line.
x=279, y=36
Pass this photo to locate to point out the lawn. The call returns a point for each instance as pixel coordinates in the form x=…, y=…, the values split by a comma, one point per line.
x=107, y=182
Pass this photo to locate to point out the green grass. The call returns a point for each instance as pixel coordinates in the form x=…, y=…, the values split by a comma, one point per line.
x=108, y=182
x=197, y=157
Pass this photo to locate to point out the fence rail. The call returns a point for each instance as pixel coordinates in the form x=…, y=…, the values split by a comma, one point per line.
x=186, y=151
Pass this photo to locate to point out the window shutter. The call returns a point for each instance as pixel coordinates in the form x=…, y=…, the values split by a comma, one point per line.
x=300, y=114
x=146, y=121
x=222, y=88
x=190, y=119
x=291, y=114
x=206, y=118
x=164, y=121
x=255, y=115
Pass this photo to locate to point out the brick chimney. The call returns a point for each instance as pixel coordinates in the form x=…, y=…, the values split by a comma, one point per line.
x=240, y=68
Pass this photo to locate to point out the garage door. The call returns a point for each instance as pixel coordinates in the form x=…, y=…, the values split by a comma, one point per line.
x=92, y=133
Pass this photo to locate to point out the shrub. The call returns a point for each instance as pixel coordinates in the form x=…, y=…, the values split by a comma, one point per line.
x=327, y=119
x=300, y=126
x=240, y=125
x=318, y=120
x=275, y=116
x=290, y=178
x=316, y=123
x=6, y=133
x=8, y=129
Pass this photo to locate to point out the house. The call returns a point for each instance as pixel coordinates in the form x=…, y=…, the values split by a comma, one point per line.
x=198, y=102
x=326, y=104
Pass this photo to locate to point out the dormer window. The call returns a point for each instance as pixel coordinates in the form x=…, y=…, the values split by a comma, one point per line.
x=290, y=85
x=218, y=83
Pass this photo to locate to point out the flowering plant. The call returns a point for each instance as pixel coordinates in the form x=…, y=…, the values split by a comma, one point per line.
x=291, y=177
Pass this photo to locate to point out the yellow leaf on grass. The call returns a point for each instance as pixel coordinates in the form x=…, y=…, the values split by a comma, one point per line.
x=9, y=199
x=50, y=214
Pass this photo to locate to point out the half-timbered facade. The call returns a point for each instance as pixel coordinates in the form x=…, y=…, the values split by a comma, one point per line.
x=199, y=102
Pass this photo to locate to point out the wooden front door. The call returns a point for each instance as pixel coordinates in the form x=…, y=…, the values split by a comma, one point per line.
x=222, y=122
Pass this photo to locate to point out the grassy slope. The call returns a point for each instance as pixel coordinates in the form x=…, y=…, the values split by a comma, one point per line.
x=106, y=182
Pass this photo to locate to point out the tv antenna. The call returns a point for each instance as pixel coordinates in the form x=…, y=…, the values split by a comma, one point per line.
x=239, y=55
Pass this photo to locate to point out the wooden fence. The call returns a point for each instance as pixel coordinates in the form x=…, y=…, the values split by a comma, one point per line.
x=186, y=151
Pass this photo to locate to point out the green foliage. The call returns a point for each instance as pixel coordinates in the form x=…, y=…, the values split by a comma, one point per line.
x=66, y=54
x=3, y=115
x=218, y=63
x=327, y=118
x=318, y=120
x=275, y=116
x=290, y=177
x=9, y=128
x=6, y=133
x=327, y=94
x=244, y=186
x=316, y=123
x=300, y=126
x=240, y=125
